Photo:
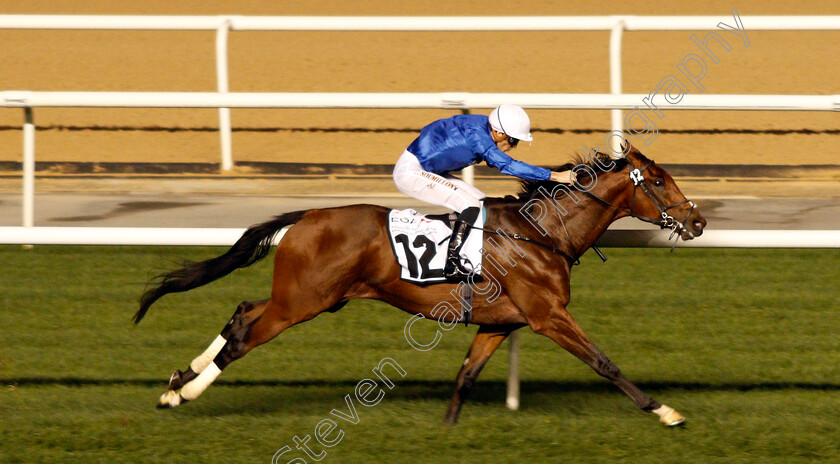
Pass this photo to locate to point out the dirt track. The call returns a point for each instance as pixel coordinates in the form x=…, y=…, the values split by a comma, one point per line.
x=774, y=63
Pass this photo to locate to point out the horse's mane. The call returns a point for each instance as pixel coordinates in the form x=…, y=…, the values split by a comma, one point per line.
x=529, y=188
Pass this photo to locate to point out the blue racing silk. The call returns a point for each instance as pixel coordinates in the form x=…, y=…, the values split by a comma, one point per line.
x=454, y=143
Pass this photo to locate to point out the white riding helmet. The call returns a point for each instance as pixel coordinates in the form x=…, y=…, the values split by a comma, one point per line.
x=512, y=121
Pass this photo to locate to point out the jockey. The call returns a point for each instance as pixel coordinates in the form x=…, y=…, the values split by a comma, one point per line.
x=454, y=143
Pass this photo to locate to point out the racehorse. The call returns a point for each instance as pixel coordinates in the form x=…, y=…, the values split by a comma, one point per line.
x=331, y=256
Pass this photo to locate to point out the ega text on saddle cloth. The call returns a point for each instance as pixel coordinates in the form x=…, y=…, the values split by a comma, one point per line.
x=420, y=246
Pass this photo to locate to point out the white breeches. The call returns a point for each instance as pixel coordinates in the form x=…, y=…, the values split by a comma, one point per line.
x=447, y=191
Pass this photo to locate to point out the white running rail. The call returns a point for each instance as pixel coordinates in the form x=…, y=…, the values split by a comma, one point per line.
x=449, y=100
x=443, y=100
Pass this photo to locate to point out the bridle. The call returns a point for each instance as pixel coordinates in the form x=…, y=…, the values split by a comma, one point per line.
x=666, y=221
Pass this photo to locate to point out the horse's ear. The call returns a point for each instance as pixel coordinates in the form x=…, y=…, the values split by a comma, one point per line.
x=624, y=144
x=627, y=147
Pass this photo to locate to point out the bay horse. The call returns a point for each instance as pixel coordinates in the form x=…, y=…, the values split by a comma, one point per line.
x=331, y=256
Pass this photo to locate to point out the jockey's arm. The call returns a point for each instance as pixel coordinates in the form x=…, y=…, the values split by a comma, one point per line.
x=507, y=165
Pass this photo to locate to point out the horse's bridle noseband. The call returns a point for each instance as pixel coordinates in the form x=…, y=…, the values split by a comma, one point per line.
x=666, y=221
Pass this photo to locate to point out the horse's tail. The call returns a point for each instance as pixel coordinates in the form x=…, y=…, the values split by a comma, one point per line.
x=253, y=246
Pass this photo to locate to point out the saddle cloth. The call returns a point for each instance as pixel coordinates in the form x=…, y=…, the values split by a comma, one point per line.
x=420, y=244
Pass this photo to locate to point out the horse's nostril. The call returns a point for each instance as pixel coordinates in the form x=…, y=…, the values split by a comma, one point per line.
x=698, y=224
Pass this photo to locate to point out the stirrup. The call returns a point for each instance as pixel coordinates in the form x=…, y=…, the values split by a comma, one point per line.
x=455, y=270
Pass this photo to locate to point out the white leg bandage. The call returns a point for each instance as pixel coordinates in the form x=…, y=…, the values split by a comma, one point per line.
x=200, y=363
x=196, y=387
x=668, y=416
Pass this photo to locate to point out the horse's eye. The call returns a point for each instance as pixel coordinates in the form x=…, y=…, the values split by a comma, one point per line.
x=658, y=183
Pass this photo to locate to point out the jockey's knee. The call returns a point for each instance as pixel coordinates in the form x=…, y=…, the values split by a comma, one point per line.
x=473, y=203
x=465, y=201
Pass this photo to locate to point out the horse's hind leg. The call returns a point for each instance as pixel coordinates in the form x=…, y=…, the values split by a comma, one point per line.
x=180, y=378
x=483, y=346
x=563, y=329
x=253, y=324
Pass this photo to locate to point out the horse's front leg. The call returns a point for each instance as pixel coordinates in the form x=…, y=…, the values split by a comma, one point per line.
x=559, y=326
x=483, y=346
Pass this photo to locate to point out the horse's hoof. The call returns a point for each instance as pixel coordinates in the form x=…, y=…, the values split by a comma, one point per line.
x=168, y=400
x=669, y=416
x=175, y=381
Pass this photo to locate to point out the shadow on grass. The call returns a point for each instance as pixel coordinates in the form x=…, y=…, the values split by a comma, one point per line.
x=439, y=389
x=302, y=397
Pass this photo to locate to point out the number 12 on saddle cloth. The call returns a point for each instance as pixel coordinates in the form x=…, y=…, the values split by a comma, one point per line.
x=420, y=246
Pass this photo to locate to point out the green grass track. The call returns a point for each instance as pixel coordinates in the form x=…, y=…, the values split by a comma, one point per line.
x=744, y=343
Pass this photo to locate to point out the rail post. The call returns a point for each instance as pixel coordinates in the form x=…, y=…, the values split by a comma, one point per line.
x=615, y=77
x=28, y=168
x=222, y=78
x=512, y=399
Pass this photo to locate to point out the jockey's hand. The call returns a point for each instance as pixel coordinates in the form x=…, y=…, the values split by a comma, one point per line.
x=564, y=177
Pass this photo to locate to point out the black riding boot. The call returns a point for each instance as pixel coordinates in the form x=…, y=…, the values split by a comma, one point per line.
x=453, y=269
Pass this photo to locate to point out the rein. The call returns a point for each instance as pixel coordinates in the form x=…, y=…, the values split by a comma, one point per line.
x=572, y=260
